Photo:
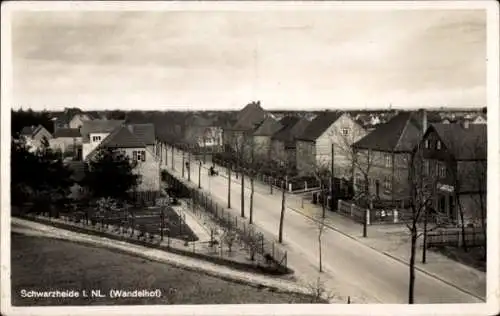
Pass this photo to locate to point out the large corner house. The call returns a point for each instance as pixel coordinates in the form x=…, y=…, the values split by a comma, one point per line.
x=137, y=141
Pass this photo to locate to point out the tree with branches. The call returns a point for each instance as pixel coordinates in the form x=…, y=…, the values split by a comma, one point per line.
x=423, y=184
x=110, y=174
x=318, y=292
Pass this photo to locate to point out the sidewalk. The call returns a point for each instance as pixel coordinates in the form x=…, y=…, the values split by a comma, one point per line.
x=37, y=229
x=393, y=241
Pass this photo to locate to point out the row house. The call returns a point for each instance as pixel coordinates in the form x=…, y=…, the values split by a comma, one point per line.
x=382, y=157
x=455, y=162
x=283, y=142
x=314, y=145
x=138, y=142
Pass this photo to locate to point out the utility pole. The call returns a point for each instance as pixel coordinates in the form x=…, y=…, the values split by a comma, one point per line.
x=229, y=186
x=189, y=166
x=172, y=158
x=183, y=164
x=199, y=175
x=332, y=179
x=424, y=247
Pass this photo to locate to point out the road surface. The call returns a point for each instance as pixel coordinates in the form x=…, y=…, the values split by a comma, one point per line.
x=350, y=267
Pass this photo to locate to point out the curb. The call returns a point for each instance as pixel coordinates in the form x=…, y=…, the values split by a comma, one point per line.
x=391, y=256
x=86, y=239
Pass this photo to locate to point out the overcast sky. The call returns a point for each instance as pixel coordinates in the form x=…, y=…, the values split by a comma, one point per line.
x=292, y=59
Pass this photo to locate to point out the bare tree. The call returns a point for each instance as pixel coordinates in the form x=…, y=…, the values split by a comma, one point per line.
x=322, y=174
x=282, y=214
x=318, y=292
x=423, y=183
x=229, y=238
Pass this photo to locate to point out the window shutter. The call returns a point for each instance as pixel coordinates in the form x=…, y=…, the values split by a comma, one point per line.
x=143, y=155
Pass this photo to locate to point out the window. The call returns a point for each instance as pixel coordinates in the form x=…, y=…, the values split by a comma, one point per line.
x=438, y=144
x=426, y=143
x=139, y=155
x=442, y=171
x=387, y=183
x=96, y=138
x=344, y=131
x=426, y=168
x=388, y=160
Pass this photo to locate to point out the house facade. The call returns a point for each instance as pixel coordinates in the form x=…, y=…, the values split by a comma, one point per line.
x=314, y=145
x=455, y=162
x=383, y=157
x=283, y=142
x=261, y=145
x=34, y=135
x=67, y=140
x=137, y=141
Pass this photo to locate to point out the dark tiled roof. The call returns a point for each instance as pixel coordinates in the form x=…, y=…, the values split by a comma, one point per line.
x=67, y=132
x=251, y=116
x=464, y=143
x=144, y=132
x=268, y=127
x=319, y=125
x=31, y=130
x=98, y=126
x=399, y=134
x=28, y=130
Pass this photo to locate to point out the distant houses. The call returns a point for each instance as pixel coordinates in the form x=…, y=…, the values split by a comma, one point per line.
x=71, y=118
x=34, y=136
x=262, y=135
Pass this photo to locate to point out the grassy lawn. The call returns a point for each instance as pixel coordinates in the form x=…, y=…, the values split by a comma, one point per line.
x=48, y=264
x=473, y=257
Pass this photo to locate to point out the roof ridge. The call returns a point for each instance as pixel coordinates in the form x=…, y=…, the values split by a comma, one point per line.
x=402, y=132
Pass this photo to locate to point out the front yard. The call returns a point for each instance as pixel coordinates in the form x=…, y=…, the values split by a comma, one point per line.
x=49, y=264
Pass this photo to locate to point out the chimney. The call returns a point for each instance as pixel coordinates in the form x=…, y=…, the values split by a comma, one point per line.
x=424, y=121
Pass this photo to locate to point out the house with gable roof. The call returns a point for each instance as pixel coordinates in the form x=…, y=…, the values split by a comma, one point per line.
x=455, y=158
x=314, y=144
x=236, y=135
x=283, y=141
x=383, y=156
x=95, y=131
x=138, y=142
x=34, y=135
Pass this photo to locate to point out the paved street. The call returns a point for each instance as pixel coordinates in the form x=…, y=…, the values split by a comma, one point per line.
x=349, y=265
